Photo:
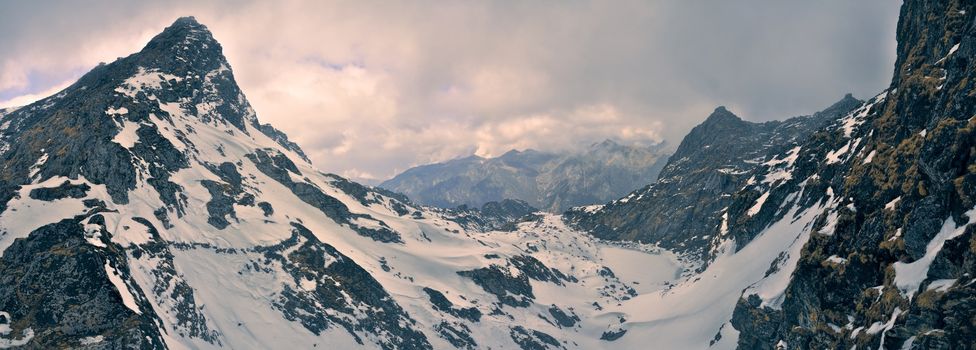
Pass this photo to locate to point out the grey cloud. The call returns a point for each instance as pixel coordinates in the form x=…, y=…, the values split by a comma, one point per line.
x=368, y=88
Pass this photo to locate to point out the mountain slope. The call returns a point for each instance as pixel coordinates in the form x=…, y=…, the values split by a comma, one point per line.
x=860, y=235
x=715, y=160
x=145, y=206
x=549, y=181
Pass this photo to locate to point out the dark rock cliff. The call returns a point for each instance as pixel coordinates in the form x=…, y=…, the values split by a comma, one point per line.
x=896, y=271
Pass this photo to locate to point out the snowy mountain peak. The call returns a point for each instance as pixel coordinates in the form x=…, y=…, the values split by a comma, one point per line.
x=183, y=65
x=187, y=40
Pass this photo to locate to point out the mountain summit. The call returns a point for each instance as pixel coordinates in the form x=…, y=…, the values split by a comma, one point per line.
x=721, y=115
x=184, y=39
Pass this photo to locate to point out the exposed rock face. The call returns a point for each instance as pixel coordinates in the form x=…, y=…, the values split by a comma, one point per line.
x=549, y=181
x=64, y=190
x=714, y=161
x=55, y=291
x=892, y=266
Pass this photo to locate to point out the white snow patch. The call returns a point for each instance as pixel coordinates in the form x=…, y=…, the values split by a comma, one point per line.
x=649, y=270
x=884, y=328
x=778, y=175
x=127, y=299
x=117, y=111
x=857, y=117
x=909, y=276
x=952, y=50
x=368, y=223
x=910, y=342
x=25, y=214
x=36, y=168
x=790, y=158
x=307, y=284
x=626, y=199
x=772, y=288
x=831, y=221
x=896, y=235
x=891, y=205
x=127, y=136
x=834, y=156
x=127, y=231
x=238, y=304
x=837, y=260
x=941, y=285
x=849, y=124
x=173, y=109
x=784, y=166
x=144, y=80
x=751, y=181
x=879, y=326
x=92, y=340
x=869, y=157
x=759, y=203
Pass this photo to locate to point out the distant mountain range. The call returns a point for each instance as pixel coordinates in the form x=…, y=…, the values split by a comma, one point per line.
x=550, y=181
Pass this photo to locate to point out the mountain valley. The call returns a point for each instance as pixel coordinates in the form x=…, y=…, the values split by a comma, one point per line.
x=145, y=206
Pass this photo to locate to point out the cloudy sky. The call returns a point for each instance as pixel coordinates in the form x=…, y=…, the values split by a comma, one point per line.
x=371, y=88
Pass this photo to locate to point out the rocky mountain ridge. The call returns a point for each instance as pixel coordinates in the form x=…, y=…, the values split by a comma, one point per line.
x=713, y=162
